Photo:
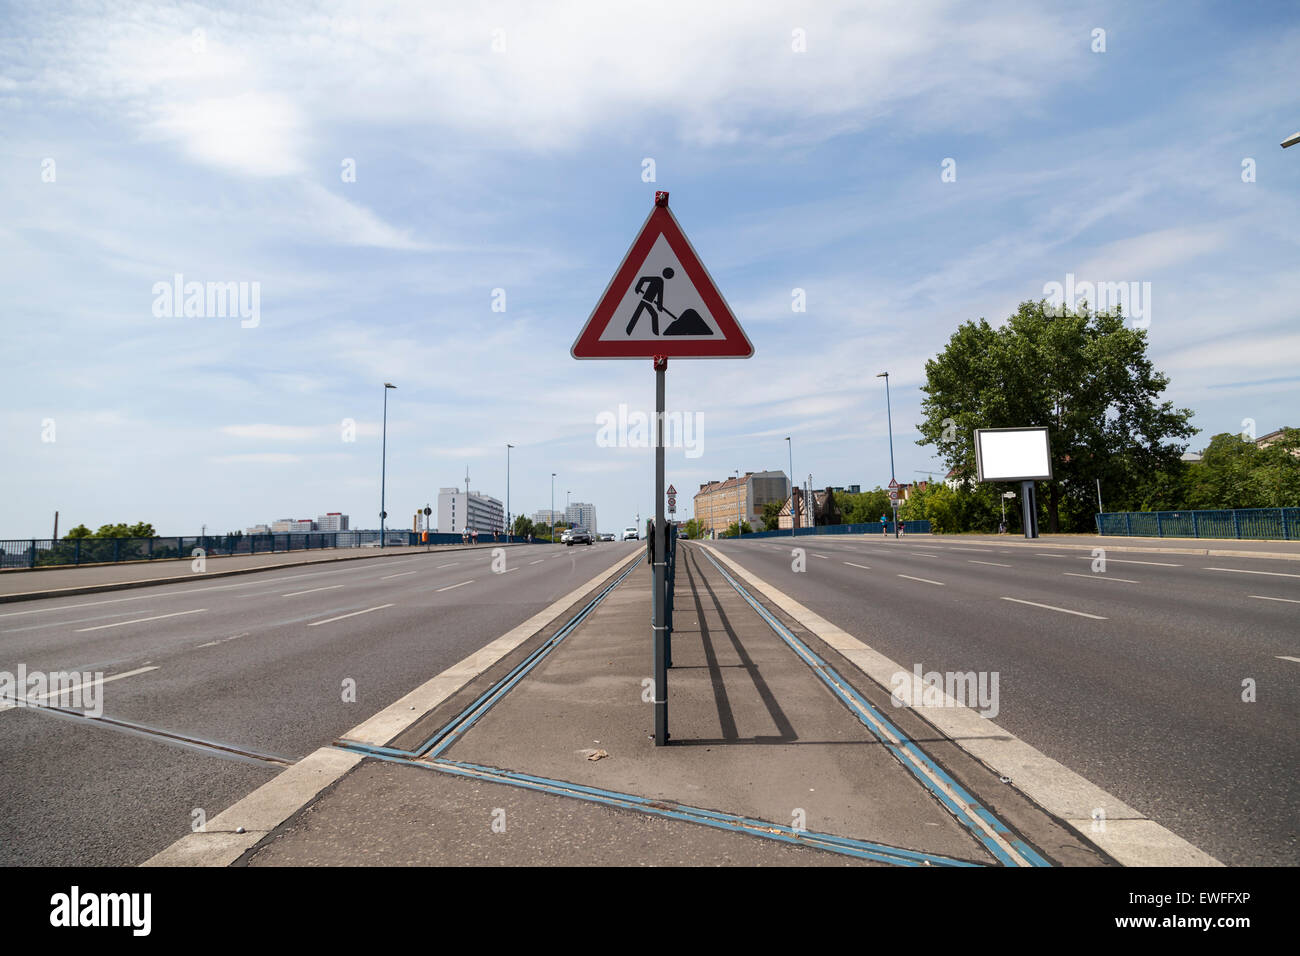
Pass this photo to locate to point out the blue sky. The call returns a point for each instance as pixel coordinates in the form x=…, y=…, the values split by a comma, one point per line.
x=218, y=154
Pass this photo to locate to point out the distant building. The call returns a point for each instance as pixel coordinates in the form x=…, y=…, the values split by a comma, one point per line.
x=476, y=511
x=1264, y=441
x=258, y=529
x=332, y=521
x=547, y=517
x=720, y=504
x=580, y=514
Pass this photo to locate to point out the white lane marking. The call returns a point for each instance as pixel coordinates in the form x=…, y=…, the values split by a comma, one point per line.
x=993, y=564
x=441, y=566
x=141, y=620
x=926, y=580
x=1284, y=658
x=1099, y=577
x=1158, y=564
x=400, y=574
x=822, y=556
x=989, y=550
x=507, y=570
x=1044, y=554
x=1275, y=574
x=452, y=587
x=1284, y=600
x=330, y=620
x=862, y=566
x=538, y=561
x=8, y=703
x=311, y=590
x=1051, y=607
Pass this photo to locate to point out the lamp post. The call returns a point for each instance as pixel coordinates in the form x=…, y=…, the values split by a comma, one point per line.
x=552, y=507
x=466, y=525
x=790, y=447
x=508, y=529
x=890, y=418
x=383, y=468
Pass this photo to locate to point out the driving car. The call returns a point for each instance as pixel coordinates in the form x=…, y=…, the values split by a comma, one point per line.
x=631, y=534
x=578, y=536
x=565, y=535
x=606, y=537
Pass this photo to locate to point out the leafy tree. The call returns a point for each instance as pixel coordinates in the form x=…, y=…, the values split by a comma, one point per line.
x=864, y=507
x=523, y=526
x=731, y=530
x=1085, y=375
x=772, y=515
x=693, y=529
x=80, y=531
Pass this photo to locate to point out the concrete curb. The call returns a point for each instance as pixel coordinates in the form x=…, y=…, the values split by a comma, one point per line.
x=1123, y=833
x=178, y=579
x=271, y=804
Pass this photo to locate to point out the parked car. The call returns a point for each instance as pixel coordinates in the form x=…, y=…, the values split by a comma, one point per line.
x=578, y=536
x=631, y=534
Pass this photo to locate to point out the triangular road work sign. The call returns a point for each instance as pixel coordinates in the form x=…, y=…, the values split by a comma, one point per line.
x=661, y=301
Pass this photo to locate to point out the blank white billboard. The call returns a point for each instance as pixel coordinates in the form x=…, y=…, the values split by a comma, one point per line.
x=1013, y=454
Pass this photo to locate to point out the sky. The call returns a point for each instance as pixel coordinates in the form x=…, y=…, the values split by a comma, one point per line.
x=436, y=195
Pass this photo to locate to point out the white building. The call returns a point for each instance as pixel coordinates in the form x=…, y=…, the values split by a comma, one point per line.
x=580, y=514
x=547, y=517
x=332, y=521
x=258, y=529
x=475, y=512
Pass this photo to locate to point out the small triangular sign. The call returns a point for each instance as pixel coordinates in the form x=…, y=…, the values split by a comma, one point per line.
x=672, y=490
x=661, y=302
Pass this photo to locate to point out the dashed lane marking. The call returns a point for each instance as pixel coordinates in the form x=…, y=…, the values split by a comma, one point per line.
x=331, y=620
x=311, y=590
x=141, y=620
x=1053, y=607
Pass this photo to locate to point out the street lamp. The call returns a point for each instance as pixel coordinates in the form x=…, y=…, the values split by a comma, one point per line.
x=892, y=480
x=383, y=467
x=790, y=447
x=508, y=447
x=1291, y=140
x=552, y=507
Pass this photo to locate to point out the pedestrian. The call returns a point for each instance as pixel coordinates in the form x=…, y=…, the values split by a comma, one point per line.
x=884, y=526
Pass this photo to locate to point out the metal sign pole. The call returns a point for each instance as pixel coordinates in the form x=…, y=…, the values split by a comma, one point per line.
x=1028, y=509
x=660, y=559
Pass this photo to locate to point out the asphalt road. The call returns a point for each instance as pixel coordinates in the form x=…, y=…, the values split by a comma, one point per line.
x=1132, y=677
x=257, y=662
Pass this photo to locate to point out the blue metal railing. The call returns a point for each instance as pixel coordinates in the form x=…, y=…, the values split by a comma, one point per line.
x=1281, y=524
x=47, y=552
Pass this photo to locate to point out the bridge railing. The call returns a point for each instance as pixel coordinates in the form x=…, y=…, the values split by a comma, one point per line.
x=48, y=552
x=1258, y=523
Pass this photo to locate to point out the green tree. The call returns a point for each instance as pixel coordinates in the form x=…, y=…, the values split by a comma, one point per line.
x=1084, y=375
x=693, y=529
x=731, y=530
x=523, y=526
x=80, y=531
x=772, y=515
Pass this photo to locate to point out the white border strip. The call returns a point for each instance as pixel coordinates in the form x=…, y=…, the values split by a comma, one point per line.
x=221, y=843
x=1129, y=837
